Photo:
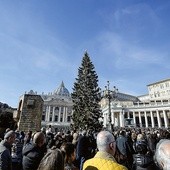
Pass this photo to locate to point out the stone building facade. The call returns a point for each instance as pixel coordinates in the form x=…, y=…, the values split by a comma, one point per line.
x=151, y=110
x=57, y=108
x=29, y=112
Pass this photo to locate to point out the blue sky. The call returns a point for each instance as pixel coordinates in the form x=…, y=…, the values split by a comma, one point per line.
x=42, y=43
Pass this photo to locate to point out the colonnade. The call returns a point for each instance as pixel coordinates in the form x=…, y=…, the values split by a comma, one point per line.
x=139, y=117
x=56, y=114
x=121, y=117
x=152, y=118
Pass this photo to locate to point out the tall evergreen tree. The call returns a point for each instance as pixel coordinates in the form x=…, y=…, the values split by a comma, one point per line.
x=85, y=96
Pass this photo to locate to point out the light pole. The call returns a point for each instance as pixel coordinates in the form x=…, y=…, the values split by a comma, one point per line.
x=109, y=94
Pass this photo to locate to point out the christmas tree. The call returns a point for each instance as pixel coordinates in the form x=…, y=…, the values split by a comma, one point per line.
x=86, y=97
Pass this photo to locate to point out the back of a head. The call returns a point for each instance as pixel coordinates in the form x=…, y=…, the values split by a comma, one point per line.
x=53, y=160
x=162, y=154
x=122, y=132
x=43, y=129
x=104, y=138
x=140, y=137
x=39, y=138
x=141, y=148
x=67, y=150
x=10, y=133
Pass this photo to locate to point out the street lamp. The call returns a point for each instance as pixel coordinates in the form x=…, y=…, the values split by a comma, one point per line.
x=109, y=94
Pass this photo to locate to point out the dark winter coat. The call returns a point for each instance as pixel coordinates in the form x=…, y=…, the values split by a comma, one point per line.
x=83, y=147
x=82, y=151
x=124, y=146
x=126, y=151
x=143, y=162
x=152, y=141
x=5, y=156
x=32, y=155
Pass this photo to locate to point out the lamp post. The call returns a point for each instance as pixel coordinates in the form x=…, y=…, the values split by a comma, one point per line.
x=109, y=94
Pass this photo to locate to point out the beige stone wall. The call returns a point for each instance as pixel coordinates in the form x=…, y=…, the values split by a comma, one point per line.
x=30, y=112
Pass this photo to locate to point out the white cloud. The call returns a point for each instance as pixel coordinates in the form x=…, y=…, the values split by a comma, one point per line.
x=135, y=15
x=127, y=53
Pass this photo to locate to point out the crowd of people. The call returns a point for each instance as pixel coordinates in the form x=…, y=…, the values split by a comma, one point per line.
x=121, y=149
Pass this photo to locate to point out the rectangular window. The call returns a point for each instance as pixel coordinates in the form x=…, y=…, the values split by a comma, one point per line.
x=43, y=117
x=51, y=109
x=61, y=117
x=167, y=84
x=50, y=119
x=68, y=118
x=56, y=118
x=165, y=101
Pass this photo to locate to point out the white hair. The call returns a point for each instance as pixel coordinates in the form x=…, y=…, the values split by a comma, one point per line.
x=104, y=138
x=161, y=156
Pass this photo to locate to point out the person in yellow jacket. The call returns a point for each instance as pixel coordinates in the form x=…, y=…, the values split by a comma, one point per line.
x=104, y=158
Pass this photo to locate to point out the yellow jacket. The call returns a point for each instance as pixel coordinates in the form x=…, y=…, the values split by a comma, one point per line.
x=102, y=161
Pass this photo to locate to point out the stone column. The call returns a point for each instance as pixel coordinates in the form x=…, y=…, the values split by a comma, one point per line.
x=66, y=114
x=46, y=113
x=113, y=118
x=49, y=109
x=134, y=118
x=63, y=114
x=116, y=119
x=59, y=114
x=158, y=118
x=146, y=119
x=53, y=114
x=152, y=119
x=165, y=119
x=123, y=118
x=120, y=119
x=122, y=124
x=140, y=120
x=128, y=115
